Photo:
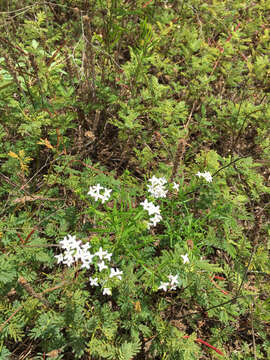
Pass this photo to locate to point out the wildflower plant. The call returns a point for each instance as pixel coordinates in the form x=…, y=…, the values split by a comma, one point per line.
x=74, y=250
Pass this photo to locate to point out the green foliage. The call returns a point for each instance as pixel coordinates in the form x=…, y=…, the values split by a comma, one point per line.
x=111, y=93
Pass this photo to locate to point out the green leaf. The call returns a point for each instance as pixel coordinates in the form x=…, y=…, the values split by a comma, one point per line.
x=129, y=350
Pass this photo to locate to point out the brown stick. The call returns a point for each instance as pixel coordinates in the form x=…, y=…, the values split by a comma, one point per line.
x=24, y=283
x=11, y=316
x=55, y=287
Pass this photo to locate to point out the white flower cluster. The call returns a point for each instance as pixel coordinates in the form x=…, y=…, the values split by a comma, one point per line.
x=115, y=272
x=173, y=282
x=94, y=191
x=157, y=188
x=152, y=210
x=206, y=175
x=74, y=251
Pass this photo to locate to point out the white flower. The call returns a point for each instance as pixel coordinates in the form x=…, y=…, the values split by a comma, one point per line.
x=175, y=186
x=68, y=259
x=150, y=207
x=154, y=210
x=173, y=279
x=69, y=242
x=102, y=266
x=93, y=282
x=108, y=256
x=164, y=286
x=93, y=194
x=94, y=191
x=64, y=243
x=146, y=204
x=172, y=284
x=59, y=258
x=86, y=246
x=107, y=291
x=97, y=188
x=185, y=258
x=157, y=188
x=116, y=272
x=87, y=259
x=157, y=191
x=154, y=220
x=106, y=195
x=100, y=253
x=206, y=175
x=157, y=181
x=76, y=245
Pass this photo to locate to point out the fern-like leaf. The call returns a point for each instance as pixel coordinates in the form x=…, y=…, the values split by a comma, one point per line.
x=128, y=350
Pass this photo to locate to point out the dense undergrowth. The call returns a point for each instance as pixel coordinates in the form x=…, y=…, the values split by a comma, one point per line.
x=120, y=93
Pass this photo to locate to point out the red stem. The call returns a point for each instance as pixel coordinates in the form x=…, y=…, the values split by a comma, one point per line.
x=19, y=236
x=206, y=343
x=219, y=277
x=30, y=234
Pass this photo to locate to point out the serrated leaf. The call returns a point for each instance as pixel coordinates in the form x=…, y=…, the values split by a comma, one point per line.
x=129, y=350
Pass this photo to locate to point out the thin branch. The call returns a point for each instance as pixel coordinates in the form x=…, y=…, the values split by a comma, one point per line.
x=25, y=284
x=11, y=316
x=253, y=334
x=232, y=162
